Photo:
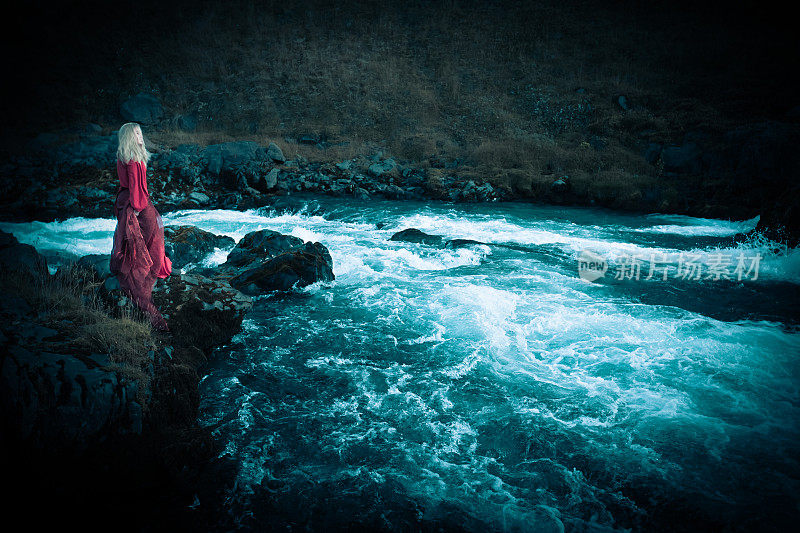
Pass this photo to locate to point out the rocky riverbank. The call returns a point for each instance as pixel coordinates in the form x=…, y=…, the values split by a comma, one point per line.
x=748, y=171
x=96, y=407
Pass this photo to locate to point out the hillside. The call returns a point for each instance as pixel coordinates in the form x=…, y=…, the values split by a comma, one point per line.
x=623, y=98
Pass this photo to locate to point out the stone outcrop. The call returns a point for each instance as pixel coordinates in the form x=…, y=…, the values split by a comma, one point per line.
x=188, y=244
x=267, y=260
x=74, y=419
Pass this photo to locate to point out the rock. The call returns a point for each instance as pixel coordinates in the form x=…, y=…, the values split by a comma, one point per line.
x=275, y=153
x=393, y=192
x=267, y=260
x=97, y=151
x=345, y=165
x=361, y=194
x=201, y=312
x=189, y=244
x=97, y=263
x=225, y=157
x=199, y=198
x=143, y=108
x=684, y=159
x=299, y=267
x=780, y=219
x=485, y=192
x=418, y=236
x=260, y=245
x=20, y=257
x=271, y=179
x=56, y=398
x=58, y=258
x=459, y=243
x=187, y=122
x=561, y=185
x=382, y=168
x=652, y=153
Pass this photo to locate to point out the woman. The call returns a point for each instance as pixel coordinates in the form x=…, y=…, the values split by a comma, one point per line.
x=137, y=258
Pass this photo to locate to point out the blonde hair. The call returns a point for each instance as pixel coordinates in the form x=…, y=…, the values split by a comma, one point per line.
x=129, y=148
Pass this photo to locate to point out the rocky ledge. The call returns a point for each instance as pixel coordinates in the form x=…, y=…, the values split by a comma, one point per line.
x=118, y=427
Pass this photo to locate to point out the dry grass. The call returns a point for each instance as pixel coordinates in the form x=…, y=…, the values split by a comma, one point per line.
x=69, y=302
x=494, y=83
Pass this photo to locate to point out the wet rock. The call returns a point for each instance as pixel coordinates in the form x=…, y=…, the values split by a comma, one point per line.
x=460, y=243
x=298, y=267
x=394, y=192
x=190, y=244
x=418, y=236
x=561, y=185
x=260, y=245
x=201, y=312
x=268, y=260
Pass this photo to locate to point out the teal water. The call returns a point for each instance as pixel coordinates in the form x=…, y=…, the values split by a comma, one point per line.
x=489, y=387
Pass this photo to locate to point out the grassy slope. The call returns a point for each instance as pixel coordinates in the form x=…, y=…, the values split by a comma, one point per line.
x=494, y=84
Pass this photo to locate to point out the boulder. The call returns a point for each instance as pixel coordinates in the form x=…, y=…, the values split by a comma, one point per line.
x=271, y=179
x=227, y=156
x=201, y=312
x=190, y=244
x=267, y=260
x=97, y=263
x=17, y=256
x=299, y=267
x=418, y=236
x=234, y=164
x=394, y=192
x=382, y=168
x=143, y=108
x=275, y=153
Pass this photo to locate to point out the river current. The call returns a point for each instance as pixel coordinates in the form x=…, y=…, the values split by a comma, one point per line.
x=491, y=386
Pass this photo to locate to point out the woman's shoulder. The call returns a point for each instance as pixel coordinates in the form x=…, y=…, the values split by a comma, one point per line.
x=131, y=164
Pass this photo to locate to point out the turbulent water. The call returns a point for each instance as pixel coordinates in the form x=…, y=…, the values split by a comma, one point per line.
x=490, y=387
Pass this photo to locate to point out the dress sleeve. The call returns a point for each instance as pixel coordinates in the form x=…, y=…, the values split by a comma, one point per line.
x=137, y=183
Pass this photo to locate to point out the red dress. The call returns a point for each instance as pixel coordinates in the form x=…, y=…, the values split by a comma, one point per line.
x=138, y=257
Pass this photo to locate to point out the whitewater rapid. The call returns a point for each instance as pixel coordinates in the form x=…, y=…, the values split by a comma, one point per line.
x=489, y=386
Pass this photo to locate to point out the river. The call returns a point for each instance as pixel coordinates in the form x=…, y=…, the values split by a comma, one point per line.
x=493, y=386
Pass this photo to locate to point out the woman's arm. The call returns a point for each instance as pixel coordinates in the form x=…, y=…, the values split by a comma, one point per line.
x=137, y=183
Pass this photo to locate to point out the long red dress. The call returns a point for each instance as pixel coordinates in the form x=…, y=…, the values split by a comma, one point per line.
x=138, y=258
